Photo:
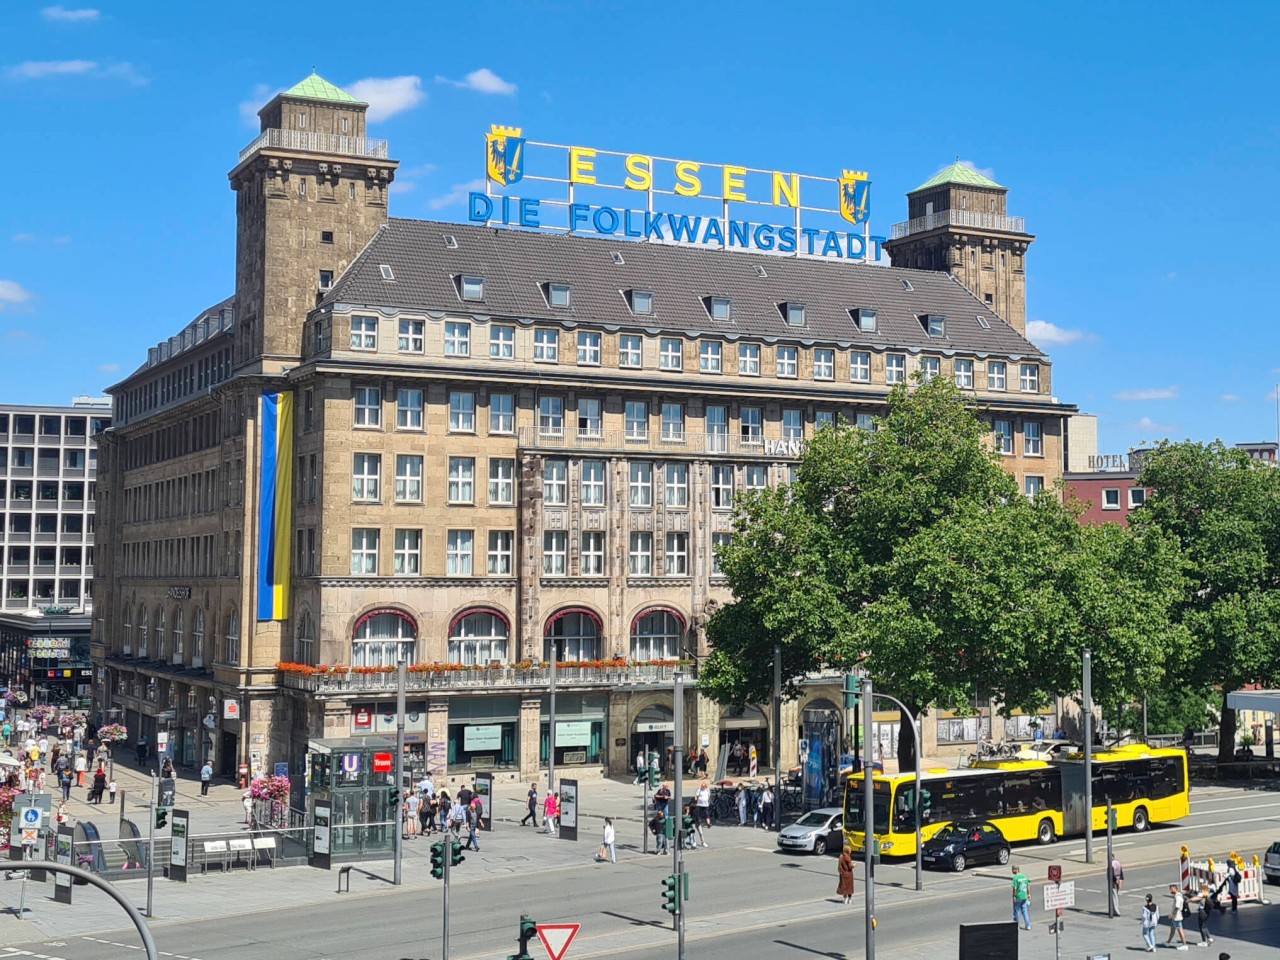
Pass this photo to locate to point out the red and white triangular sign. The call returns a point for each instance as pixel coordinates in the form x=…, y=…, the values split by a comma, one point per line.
x=556, y=937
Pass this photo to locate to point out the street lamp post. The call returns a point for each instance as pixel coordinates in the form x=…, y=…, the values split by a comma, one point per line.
x=777, y=738
x=915, y=733
x=869, y=826
x=1088, y=756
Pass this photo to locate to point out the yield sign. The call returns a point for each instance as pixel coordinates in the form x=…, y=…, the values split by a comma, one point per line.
x=556, y=937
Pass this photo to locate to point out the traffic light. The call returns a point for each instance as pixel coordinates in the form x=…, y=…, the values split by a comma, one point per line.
x=455, y=853
x=437, y=860
x=852, y=691
x=671, y=893
x=162, y=817
x=1112, y=819
x=393, y=797
x=528, y=930
x=654, y=780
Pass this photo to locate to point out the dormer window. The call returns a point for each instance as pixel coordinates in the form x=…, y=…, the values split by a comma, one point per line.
x=558, y=294
x=326, y=279
x=720, y=308
x=793, y=313
x=641, y=302
x=385, y=270
x=864, y=320
x=473, y=288
x=934, y=324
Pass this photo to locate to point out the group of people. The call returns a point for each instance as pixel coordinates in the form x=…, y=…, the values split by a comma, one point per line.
x=1204, y=901
x=550, y=811
x=428, y=810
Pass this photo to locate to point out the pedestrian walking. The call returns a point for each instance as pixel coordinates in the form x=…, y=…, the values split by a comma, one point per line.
x=531, y=805
x=740, y=798
x=1117, y=884
x=844, y=888
x=1021, y=888
x=166, y=768
x=735, y=756
x=702, y=801
x=64, y=782
x=1150, y=920
x=1233, y=885
x=662, y=798
x=658, y=827
x=206, y=776
x=551, y=814
x=81, y=767
x=246, y=800
x=111, y=789
x=424, y=813
x=1203, y=903
x=412, y=804
x=641, y=767
x=766, y=808
x=1176, y=913
x=474, y=822
x=457, y=817
x=99, y=786
x=607, y=840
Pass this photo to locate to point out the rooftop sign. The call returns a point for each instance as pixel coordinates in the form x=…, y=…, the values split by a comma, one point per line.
x=664, y=200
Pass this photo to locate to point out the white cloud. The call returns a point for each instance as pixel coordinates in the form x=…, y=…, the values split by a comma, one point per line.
x=63, y=15
x=988, y=172
x=124, y=71
x=1044, y=333
x=1146, y=423
x=12, y=293
x=39, y=69
x=262, y=94
x=1149, y=393
x=1171, y=276
x=456, y=195
x=23, y=237
x=388, y=96
x=483, y=80
x=108, y=368
x=1230, y=398
x=421, y=170
x=403, y=186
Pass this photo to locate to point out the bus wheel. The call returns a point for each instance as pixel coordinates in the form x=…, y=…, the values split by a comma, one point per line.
x=1044, y=833
x=1140, y=819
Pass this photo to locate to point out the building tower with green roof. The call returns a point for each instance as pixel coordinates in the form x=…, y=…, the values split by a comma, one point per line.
x=959, y=222
x=311, y=191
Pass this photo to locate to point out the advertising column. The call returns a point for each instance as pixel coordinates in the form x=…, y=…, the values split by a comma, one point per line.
x=62, y=854
x=484, y=790
x=320, y=846
x=568, y=809
x=178, y=846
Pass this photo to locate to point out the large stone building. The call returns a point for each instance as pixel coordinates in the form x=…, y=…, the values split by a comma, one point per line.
x=500, y=441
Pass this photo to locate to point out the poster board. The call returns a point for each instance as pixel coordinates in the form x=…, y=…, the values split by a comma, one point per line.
x=64, y=844
x=568, y=809
x=180, y=821
x=321, y=818
x=484, y=790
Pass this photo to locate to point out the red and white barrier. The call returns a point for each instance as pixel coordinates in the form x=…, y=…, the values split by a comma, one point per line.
x=1214, y=875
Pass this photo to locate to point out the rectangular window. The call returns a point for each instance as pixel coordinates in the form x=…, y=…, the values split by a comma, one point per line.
x=409, y=409
x=709, y=356
x=755, y=476
x=752, y=425
x=408, y=555
x=1137, y=497
x=860, y=366
x=412, y=338
x=502, y=472
x=555, y=482
x=365, y=472
x=722, y=486
x=641, y=485
x=794, y=314
x=1033, y=485
x=996, y=379
x=364, y=333
x=630, y=350
x=670, y=354
x=1111, y=498
x=551, y=416
x=1029, y=377
x=502, y=413
x=458, y=553
x=641, y=302
x=368, y=407
x=637, y=420
x=462, y=411
x=792, y=424
x=558, y=294
x=364, y=552
x=593, y=483
x=473, y=288
x=935, y=325
x=929, y=366
x=555, y=553
x=677, y=485
x=588, y=348
x=1003, y=430
x=546, y=346
x=640, y=555
x=673, y=422
x=787, y=363
x=500, y=542
x=964, y=374
x=462, y=479
x=824, y=364
x=718, y=542
x=717, y=428
x=590, y=422
x=308, y=410
x=823, y=418
x=457, y=339
x=408, y=478
x=721, y=308
x=895, y=368
x=502, y=342
x=1032, y=443
x=677, y=558
x=749, y=359
x=593, y=553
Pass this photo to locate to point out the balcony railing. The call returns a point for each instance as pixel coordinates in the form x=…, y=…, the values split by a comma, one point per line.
x=473, y=678
x=960, y=218
x=317, y=143
x=653, y=442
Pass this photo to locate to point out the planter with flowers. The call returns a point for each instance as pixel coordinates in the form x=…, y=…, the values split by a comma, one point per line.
x=113, y=733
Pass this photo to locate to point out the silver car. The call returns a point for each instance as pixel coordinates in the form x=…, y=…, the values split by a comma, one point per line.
x=816, y=832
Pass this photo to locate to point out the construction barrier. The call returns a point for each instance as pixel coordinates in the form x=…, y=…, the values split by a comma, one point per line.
x=1214, y=875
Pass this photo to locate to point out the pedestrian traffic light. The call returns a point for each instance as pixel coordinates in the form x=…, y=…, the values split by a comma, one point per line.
x=437, y=860
x=455, y=853
x=671, y=893
x=1112, y=819
x=851, y=691
x=162, y=817
x=528, y=930
x=393, y=797
x=653, y=776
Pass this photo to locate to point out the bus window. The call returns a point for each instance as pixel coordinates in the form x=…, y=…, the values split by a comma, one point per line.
x=1167, y=778
x=1111, y=783
x=1046, y=788
x=1017, y=792
x=1138, y=773
x=853, y=807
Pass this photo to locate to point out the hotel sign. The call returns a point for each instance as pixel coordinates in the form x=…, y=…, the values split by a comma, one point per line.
x=659, y=199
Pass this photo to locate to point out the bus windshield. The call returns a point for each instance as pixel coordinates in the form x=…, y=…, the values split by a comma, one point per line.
x=854, y=818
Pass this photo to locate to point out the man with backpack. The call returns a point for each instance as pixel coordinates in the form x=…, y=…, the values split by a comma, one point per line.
x=1176, y=915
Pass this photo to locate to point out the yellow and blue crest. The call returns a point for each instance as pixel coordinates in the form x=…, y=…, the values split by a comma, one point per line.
x=504, y=152
x=855, y=195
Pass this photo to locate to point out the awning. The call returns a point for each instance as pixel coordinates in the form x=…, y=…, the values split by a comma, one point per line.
x=1266, y=701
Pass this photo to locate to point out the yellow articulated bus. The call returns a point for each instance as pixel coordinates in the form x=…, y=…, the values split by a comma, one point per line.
x=1027, y=799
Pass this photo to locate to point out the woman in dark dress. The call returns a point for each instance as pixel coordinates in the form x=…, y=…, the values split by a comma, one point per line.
x=845, y=887
x=99, y=785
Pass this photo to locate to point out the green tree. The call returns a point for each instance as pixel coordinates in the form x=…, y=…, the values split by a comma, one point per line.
x=1224, y=511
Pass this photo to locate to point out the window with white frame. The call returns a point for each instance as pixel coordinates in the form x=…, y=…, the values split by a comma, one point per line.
x=656, y=636
x=1110, y=498
x=636, y=419
x=462, y=411
x=755, y=476
x=364, y=333
x=144, y=631
x=473, y=288
x=593, y=553
x=824, y=364
x=575, y=635
x=457, y=338
x=590, y=422
x=677, y=492
x=788, y=364
x=860, y=366
x=823, y=418
x=717, y=428
x=640, y=554
x=555, y=553
x=749, y=359
x=588, y=348
x=673, y=422
x=197, y=639
x=364, y=551
x=630, y=350
x=996, y=375
x=676, y=562
x=462, y=479
x=1032, y=441
x=641, y=302
x=502, y=413
x=792, y=424
x=641, y=483
x=232, y=652
x=365, y=472
x=408, y=478
x=865, y=421
x=368, y=406
x=718, y=542
x=408, y=553
x=1137, y=497
x=720, y=308
x=1029, y=377
x=478, y=638
x=546, y=346
x=752, y=425
x=502, y=341
x=409, y=409
x=722, y=485
x=412, y=338
x=794, y=314
x=502, y=484
x=458, y=550
x=551, y=416
x=559, y=294
x=555, y=482
x=670, y=354
x=895, y=368
x=964, y=374
x=1003, y=430
x=929, y=367
x=500, y=547
x=709, y=356
x=1032, y=485
x=593, y=489
x=304, y=639
x=383, y=640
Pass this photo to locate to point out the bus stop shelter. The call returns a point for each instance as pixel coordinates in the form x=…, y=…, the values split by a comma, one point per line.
x=1260, y=701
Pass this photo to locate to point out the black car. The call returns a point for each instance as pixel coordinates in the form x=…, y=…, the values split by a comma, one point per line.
x=959, y=844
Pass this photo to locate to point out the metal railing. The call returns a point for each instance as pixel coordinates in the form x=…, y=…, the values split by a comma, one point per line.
x=959, y=218
x=317, y=143
x=655, y=442
x=452, y=678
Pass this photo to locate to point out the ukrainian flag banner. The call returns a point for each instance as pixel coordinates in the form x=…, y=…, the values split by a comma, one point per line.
x=275, y=506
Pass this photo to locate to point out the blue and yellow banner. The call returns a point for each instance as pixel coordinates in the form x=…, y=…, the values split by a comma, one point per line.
x=275, y=507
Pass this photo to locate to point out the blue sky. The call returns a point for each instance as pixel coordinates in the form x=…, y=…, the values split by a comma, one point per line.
x=1138, y=140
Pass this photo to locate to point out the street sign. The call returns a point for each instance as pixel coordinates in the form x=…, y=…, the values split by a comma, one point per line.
x=1055, y=873
x=31, y=818
x=30, y=837
x=1059, y=895
x=556, y=937
x=382, y=763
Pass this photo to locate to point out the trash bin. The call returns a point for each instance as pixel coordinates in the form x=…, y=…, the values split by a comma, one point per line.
x=244, y=776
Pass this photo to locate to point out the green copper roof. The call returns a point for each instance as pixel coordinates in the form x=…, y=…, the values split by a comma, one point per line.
x=316, y=87
x=957, y=173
